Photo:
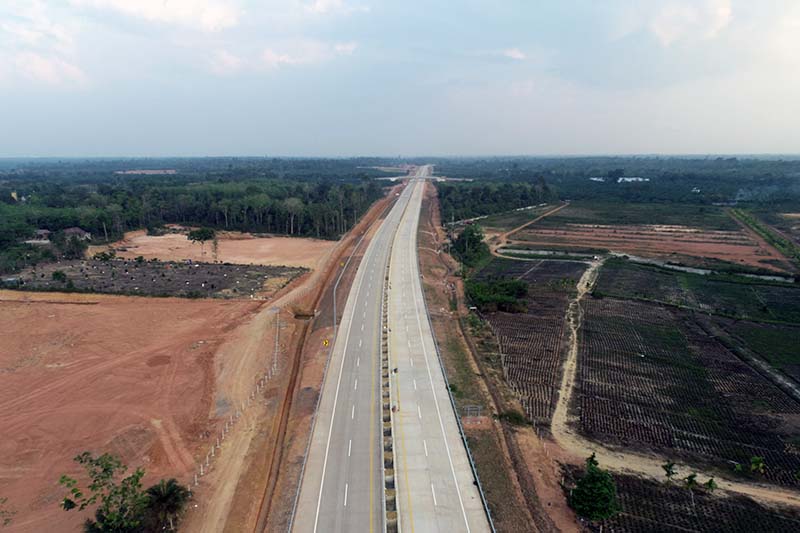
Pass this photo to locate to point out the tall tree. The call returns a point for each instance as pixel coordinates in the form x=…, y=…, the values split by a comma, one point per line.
x=201, y=235
x=595, y=494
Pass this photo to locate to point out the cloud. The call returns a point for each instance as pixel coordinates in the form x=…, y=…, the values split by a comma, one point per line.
x=35, y=48
x=322, y=7
x=514, y=53
x=345, y=48
x=203, y=15
x=680, y=20
x=224, y=63
x=305, y=53
x=51, y=70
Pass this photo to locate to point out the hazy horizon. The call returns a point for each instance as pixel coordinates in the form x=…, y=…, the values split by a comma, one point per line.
x=360, y=78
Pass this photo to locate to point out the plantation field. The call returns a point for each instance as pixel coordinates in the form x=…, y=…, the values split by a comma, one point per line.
x=778, y=344
x=631, y=214
x=649, y=377
x=511, y=219
x=648, y=506
x=735, y=297
x=533, y=343
x=700, y=236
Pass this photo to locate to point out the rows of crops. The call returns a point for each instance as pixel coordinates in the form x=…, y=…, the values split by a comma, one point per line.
x=648, y=506
x=649, y=376
x=735, y=297
x=533, y=343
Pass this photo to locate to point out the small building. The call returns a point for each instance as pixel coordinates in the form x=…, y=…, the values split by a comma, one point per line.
x=78, y=233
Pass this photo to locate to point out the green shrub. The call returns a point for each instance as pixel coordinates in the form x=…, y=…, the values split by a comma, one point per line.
x=595, y=495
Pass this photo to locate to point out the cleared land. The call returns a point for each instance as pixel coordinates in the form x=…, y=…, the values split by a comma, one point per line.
x=693, y=235
x=158, y=278
x=233, y=247
x=139, y=377
x=786, y=223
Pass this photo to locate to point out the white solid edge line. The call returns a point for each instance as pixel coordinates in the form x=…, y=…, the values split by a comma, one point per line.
x=416, y=282
x=366, y=257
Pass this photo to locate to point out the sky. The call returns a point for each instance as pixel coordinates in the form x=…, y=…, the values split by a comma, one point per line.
x=325, y=78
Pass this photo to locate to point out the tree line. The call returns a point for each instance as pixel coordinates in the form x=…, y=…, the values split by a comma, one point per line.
x=696, y=180
x=468, y=200
x=225, y=199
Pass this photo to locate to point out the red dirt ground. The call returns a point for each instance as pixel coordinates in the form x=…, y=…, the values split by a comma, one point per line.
x=131, y=376
x=739, y=247
x=234, y=247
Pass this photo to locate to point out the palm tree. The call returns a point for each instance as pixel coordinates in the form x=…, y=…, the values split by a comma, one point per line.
x=167, y=499
x=710, y=485
x=691, y=484
x=757, y=464
x=669, y=470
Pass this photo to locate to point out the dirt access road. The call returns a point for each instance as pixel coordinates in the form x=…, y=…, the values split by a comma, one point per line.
x=500, y=240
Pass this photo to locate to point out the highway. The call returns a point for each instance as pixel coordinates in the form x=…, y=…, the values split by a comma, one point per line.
x=436, y=490
x=342, y=485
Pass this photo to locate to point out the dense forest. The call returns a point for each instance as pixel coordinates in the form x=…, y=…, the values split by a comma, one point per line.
x=505, y=183
x=316, y=198
x=461, y=200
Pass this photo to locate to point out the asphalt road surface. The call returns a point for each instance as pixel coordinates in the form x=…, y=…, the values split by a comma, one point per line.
x=342, y=485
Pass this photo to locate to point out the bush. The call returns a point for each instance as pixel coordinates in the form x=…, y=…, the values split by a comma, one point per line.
x=105, y=256
x=513, y=417
x=59, y=276
x=502, y=295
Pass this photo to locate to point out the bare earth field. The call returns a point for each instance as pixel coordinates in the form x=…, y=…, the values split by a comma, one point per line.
x=688, y=244
x=234, y=247
x=131, y=376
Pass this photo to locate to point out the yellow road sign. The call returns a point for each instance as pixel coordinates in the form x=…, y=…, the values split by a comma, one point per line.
x=325, y=342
